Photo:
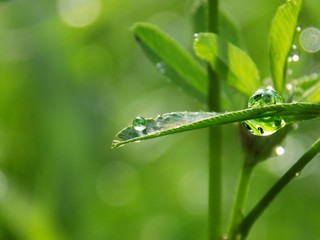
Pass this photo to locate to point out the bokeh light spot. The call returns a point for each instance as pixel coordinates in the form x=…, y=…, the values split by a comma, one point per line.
x=279, y=150
x=310, y=39
x=79, y=13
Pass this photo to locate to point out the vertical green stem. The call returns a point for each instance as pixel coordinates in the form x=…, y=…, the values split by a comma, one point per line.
x=240, y=198
x=214, y=210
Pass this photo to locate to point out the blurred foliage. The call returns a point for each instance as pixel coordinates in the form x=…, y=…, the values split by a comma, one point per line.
x=71, y=75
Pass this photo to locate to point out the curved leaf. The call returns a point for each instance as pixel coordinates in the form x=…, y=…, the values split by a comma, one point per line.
x=229, y=61
x=171, y=123
x=282, y=32
x=171, y=59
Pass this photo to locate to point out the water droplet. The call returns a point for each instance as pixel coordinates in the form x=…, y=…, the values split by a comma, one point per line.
x=279, y=150
x=196, y=36
x=289, y=86
x=294, y=55
x=162, y=67
x=268, y=125
x=139, y=124
x=297, y=174
x=298, y=29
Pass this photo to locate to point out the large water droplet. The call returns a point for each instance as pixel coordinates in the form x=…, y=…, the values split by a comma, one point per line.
x=268, y=125
x=294, y=55
x=139, y=124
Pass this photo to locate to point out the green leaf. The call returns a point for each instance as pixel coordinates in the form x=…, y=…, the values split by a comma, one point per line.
x=282, y=32
x=171, y=59
x=231, y=63
x=307, y=88
x=176, y=122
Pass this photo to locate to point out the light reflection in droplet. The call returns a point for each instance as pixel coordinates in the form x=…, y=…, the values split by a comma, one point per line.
x=79, y=13
x=310, y=39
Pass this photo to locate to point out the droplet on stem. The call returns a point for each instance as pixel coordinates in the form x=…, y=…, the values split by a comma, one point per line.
x=139, y=124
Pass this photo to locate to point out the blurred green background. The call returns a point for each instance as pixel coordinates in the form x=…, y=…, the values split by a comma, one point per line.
x=71, y=76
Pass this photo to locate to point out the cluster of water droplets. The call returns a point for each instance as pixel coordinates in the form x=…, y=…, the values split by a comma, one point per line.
x=294, y=55
x=267, y=125
x=148, y=126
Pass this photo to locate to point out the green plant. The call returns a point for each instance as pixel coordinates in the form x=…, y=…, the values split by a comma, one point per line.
x=268, y=118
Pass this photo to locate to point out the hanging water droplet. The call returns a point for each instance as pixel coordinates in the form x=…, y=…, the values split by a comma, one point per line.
x=298, y=29
x=161, y=67
x=139, y=124
x=268, y=125
x=196, y=36
x=294, y=55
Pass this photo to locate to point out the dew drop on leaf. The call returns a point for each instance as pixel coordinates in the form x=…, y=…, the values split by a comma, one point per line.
x=161, y=67
x=139, y=124
x=268, y=125
x=294, y=54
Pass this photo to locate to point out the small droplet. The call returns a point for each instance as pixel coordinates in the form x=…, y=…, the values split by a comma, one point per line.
x=294, y=55
x=196, y=36
x=289, y=86
x=279, y=150
x=298, y=29
x=268, y=125
x=139, y=124
x=161, y=67
x=297, y=174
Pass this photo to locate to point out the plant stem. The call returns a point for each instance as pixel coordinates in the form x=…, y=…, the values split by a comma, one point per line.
x=214, y=211
x=293, y=172
x=240, y=199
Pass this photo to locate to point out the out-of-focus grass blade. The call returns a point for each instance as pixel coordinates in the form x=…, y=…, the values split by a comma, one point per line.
x=171, y=59
x=176, y=122
x=230, y=62
x=282, y=32
x=307, y=88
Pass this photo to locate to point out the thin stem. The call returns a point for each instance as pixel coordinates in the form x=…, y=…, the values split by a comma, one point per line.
x=214, y=211
x=241, y=197
x=293, y=172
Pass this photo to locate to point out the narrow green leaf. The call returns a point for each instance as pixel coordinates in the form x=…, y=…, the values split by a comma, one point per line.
x=171, y=59
x=282, y=32
x=171, y=123
x=230, y=62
